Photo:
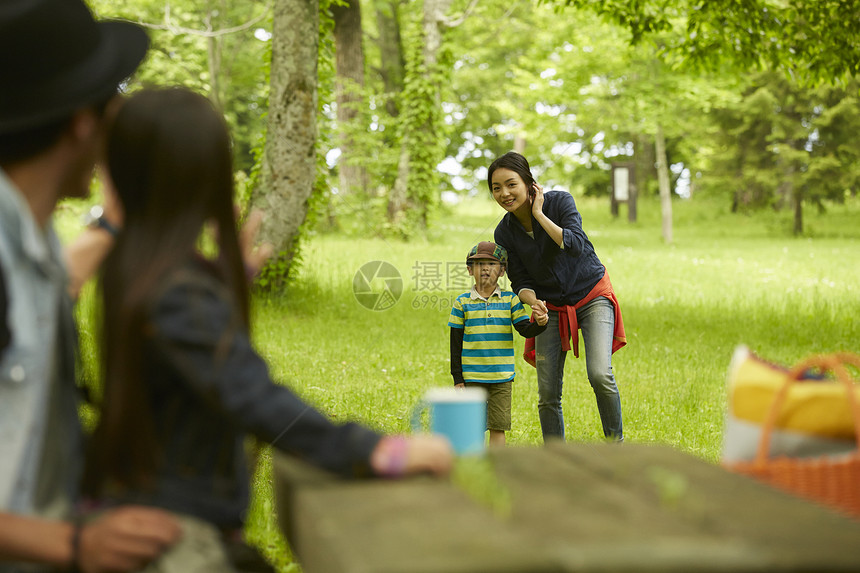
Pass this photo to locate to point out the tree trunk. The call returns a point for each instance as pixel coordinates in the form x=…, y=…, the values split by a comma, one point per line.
x=787, y=193
x=213, y=59
x=393, y=66
x=288, y=170
x=644, y=158
x=397, y=202
x=520, y=143
x=663, y=180
x=432, y=23
x=784, y=196
x=798, y=212
x=434, y=16
x=349, y=64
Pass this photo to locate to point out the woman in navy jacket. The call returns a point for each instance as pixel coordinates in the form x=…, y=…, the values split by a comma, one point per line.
x=553, y=268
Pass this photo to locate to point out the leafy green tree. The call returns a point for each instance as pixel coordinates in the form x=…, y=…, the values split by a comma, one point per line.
x=209, y=46
x=416, y=189
x=812, y=40
x=784, y=145
x=518, y=78
x=577, y=95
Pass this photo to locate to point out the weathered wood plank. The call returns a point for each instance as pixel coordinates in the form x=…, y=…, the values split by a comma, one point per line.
x=409, y=526
x=572, y=507
x=718, y=503
x=630, y=507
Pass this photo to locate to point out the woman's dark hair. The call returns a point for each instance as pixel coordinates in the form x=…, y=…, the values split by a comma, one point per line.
x=169, y=156
x=516, y=163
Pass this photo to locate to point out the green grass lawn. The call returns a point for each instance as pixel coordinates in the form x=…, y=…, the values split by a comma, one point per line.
x=726, y=280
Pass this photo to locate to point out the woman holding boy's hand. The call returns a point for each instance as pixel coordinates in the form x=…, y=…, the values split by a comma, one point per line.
x=553, y=268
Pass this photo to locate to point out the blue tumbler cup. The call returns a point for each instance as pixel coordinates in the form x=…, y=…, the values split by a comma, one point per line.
x=459, y=414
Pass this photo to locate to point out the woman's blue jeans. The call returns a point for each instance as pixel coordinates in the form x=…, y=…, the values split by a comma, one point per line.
x=597, y=322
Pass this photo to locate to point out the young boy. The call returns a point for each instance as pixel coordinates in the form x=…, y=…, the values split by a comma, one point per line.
x=482, y=342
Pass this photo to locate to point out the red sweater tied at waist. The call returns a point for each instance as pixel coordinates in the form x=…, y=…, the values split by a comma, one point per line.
x=568, y=326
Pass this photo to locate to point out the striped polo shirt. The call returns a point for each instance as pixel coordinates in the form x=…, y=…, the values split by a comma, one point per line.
x=488, y=340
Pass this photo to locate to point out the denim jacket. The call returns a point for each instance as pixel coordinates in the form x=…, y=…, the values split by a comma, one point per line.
x=560, y=276
x=207, y=388
x=37, y=380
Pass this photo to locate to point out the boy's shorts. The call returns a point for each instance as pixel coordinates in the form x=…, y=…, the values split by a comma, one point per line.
x=498, y=403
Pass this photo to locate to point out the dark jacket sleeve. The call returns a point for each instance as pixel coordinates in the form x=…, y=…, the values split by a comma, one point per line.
x=516, y=271
x=529, y=329
x=457, y=354
x=197, y=330
x=565, y=215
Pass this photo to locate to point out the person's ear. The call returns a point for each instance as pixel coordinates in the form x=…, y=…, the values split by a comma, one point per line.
x=471, y=271
x=84, y=126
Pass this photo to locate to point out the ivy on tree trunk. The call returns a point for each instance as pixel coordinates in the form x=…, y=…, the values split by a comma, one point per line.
x=349, y=59
x=288, y=169
x=415, y=190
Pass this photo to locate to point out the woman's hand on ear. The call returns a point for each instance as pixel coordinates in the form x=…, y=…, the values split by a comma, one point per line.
x=111, y=204
x=254, y=255
x=537, y=199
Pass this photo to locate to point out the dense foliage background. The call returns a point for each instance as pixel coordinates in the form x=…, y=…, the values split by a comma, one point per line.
x=740, y=115
x=754, y=103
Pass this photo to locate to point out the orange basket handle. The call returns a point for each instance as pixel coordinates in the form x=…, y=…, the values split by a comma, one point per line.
x=836, y=363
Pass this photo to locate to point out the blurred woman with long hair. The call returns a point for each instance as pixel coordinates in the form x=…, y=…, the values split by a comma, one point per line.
x=182, y=383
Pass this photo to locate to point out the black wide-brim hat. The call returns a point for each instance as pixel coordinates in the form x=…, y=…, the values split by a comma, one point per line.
x=55, y=59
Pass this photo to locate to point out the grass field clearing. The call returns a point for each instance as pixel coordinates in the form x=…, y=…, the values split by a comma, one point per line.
x=727, y=279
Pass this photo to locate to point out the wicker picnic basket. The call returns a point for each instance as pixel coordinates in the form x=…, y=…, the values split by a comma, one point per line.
x=831, y=480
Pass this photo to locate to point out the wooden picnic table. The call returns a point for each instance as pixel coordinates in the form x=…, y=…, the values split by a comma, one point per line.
x=565, y=507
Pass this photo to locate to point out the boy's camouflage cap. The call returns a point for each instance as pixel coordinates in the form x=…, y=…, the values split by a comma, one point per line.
x=488, y=250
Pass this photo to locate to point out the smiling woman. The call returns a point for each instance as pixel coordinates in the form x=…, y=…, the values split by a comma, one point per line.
x=554, y=269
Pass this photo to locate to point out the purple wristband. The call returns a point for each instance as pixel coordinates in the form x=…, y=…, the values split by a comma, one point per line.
x=390, y=456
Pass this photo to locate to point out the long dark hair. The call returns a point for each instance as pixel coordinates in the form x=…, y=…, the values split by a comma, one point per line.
x=516, y=163
x=169, y=156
